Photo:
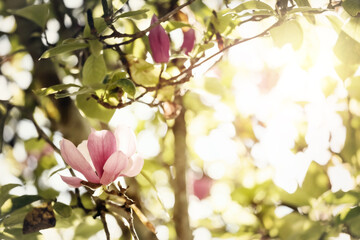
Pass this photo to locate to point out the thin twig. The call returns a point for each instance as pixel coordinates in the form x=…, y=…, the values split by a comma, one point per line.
x=106, y=229
x=143, y=32
x=43, y=135
x=130, y=219
x=7, y=57
x=173, y=81
x=236, y=42
x=2, y=124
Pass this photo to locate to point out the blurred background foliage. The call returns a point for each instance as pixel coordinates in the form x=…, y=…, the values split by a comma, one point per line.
x=272, y=124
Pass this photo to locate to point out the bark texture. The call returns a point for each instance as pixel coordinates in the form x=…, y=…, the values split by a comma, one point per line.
x=181, y=215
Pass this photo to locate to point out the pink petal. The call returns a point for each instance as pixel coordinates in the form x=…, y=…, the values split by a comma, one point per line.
x=72, y=181
x=159, y=43
x=189, y=41
x=113, y=167
x=83, y=149
x=134, y=167
x=101, y=144
x=76, y=160
x=125, y=140
x=202, y=186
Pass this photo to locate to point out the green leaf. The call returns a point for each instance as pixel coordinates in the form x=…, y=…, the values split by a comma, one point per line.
x=305, y=10
x=17, y=234
x=253, y=5
x=88, y=228
x=305, y=3
x=223, y=22
x=94, y=70
x=55, y=89
x=203, y=12
x=352, y=28
x=18, y=202
x=16, y=218
x=37, y=13
x=203, y=47
x=82, y=90
x=353, y=88
x=352, y=7
x=214, y=86
x=63, y=209
x=58, y=170
x=45, y=162
x=346, y=49
x=336, y=22
x=87, y=201
x=302, y=3
x=352, y=220
x=126, y=84
x=345, y=70
x=134, y=13
x=143, y=72
x=91, y=108
x=95, y=47
x=341, y=197
x=166, y=93
x=262, y=12
x=302, y=197
x=138, y=47
x=172, y=25
x=288, y=32
x=4, y=192
x=297, y=227
x=99, y=24
x=63, y=48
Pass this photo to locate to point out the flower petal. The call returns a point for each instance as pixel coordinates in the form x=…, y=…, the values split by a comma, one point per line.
x=83, y=149
x=125, y=140
x=72, y=181
x=76, y=160
x=134, y=167
x=116, y=163
x=189, y=40
x=159, y=43
x=101, y=144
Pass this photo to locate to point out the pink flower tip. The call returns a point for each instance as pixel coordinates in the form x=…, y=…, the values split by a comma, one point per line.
x=189, y=40
x=159, y=43
x=103, y=157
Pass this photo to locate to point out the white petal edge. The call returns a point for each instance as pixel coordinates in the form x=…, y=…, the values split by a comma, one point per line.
x=136, y=163
x=82, y=147
x=125, y=140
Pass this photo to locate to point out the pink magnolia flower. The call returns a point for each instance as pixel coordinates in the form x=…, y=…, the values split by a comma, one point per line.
x=159, y=42
x=103, y=157
x=189, y=40
x=202, y=186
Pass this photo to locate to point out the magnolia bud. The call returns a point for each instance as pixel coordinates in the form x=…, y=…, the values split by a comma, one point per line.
x=159, y=42
x=189, y=40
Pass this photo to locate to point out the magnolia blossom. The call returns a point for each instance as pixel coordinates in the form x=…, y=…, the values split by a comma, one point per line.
x=103, y=157
x=159, y=42
x=189, y=40
x=202, y=186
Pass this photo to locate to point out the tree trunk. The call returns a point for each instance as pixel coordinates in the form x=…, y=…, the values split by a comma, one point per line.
x=73, y=126
x=181, y=215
